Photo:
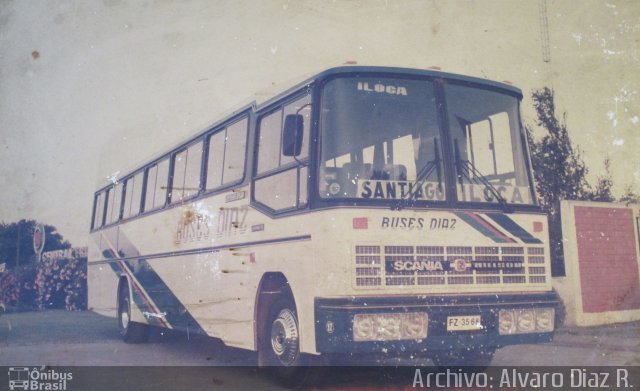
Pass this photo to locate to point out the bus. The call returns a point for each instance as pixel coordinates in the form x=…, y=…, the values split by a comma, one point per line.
x=365, y=211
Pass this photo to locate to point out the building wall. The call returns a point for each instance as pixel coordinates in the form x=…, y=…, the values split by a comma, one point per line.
x=602, y=261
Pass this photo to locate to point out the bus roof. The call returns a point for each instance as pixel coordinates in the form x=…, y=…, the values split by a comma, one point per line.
x=361, y=69
x=273, y=96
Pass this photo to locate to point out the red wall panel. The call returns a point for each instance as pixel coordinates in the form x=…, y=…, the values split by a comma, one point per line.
x=607, y=259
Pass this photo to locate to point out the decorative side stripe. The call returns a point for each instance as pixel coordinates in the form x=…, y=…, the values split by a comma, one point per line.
x=507, y=223
x=484, y=227
x=138, y=294
x=494, y=229
x=175, y=312
x=151, y=293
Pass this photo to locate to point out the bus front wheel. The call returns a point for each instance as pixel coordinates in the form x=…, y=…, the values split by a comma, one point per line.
x=130, y=331
x=279, y=348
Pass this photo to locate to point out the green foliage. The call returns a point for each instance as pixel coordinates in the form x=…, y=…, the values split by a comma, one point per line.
x=61, y=284
x=16, y=242
x=629, y=196
x=39, y=285
x=602, y=191
x=16, y=287
x=9, y=288
x=560, y=172
x=558, y=167
x=47, y=284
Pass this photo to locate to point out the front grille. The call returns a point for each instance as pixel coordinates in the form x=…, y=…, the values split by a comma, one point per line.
x=368, y=281
x=429, y=250
x=398, y=249
x=400, y=265
x=487, y=250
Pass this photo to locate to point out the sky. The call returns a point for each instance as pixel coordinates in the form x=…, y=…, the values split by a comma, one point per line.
x=92, y=88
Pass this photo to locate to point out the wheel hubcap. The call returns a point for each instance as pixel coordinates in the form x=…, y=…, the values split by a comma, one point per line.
x=284, y=337
x=124, y=314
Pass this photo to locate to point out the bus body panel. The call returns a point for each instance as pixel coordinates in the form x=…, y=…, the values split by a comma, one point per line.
x=211, y=287
x=202, y=267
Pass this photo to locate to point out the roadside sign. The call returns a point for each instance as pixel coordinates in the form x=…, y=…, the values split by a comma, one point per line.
x=38, y=240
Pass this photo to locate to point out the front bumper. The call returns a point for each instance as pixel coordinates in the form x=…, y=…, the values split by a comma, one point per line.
x=334, y=321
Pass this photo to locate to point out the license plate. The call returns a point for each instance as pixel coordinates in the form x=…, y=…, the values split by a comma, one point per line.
x=462, y=323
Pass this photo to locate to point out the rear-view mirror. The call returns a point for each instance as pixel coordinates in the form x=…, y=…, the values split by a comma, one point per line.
x=292, y=135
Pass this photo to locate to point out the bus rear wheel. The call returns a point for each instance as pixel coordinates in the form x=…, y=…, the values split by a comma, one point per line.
x=130, y=331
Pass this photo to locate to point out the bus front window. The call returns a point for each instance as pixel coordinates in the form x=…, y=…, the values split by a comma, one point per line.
x=380, y=140
x=488, y=145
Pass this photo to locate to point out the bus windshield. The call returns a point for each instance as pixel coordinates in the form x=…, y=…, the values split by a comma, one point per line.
x=382, y=140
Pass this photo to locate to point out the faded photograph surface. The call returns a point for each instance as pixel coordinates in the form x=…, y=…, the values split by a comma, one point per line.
x=297, y=188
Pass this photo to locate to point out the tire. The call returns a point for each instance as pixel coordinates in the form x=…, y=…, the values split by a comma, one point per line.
x=131, y=332
x=479, y=358
x=279, y=349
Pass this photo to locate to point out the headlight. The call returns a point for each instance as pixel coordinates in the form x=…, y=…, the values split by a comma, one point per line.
x=526, y=322
x=522, y=321
x=545, y=318
x=388, y=327
x=507, y=323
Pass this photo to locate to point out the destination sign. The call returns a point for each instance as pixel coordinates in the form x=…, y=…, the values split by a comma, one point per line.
x=482, y=193
x=432, y=191
x=398, y=190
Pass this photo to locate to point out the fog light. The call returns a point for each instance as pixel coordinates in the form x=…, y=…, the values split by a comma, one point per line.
x=388, y=327
x=330, y=327
x=545, y=318
x=507, y=322
x=521, y=321
x=525, y=321
x=363, y=328
x=414, y=326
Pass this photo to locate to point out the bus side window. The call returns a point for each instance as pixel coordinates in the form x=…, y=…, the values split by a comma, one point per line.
x=269, y=142
x=114, y=195
x=151, y=174
x=162, y=181
x=281, y=181
x=215, y=163
x=235, y=151
x=128, y=192
x=133, y=195
x=186, y=173
x=98, y=212
x=226, y=155
x=157, y=180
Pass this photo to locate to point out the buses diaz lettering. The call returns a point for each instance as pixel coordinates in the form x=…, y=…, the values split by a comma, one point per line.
x=194, y=227
x=418, y=223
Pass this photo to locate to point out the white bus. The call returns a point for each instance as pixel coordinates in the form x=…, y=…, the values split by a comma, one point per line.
x=366, y=210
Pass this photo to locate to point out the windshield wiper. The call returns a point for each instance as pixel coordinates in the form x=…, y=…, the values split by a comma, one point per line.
x=421, y=177
x=462, y=168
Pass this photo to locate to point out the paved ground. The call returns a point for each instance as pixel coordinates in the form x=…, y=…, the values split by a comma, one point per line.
x=59, y=338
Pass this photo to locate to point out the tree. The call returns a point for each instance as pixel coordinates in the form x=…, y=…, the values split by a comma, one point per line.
x=629, y=196
x=16, y=242
x=602, y=192
x=560, y=172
